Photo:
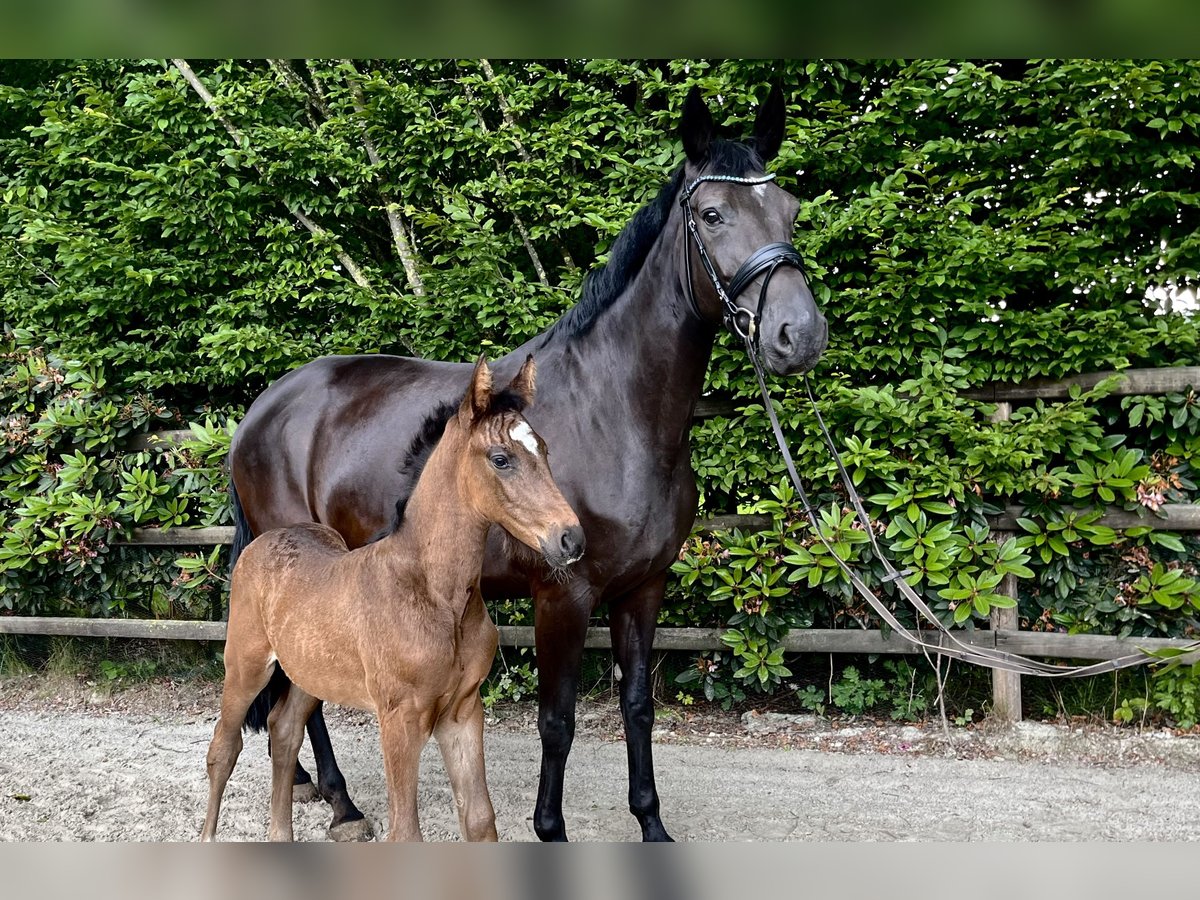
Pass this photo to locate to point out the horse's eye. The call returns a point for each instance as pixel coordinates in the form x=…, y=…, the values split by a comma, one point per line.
x=711, y=217
x=500, y=461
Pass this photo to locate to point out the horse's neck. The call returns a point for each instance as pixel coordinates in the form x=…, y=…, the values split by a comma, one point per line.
x=441, y=539
x=648, y=348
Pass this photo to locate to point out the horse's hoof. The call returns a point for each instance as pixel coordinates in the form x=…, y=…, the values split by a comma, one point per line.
x=305, y=793
x=354, y=830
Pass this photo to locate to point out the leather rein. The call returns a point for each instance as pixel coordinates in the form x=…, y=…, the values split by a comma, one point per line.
x=768, y=259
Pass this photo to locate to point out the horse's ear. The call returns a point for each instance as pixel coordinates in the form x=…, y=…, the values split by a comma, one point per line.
x=769, y=125
x=479, y=395
x=524, y=384
x=696, y=127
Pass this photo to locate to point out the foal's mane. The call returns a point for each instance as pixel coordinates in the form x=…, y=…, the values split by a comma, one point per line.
x=426, y=439
x=606, y=283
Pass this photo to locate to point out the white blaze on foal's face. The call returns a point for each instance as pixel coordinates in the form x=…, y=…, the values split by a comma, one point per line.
x=523, y=435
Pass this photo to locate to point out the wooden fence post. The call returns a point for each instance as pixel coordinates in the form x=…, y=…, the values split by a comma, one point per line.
x=1006, y=686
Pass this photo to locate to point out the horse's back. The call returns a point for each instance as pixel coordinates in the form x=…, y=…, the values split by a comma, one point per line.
x=301, y=451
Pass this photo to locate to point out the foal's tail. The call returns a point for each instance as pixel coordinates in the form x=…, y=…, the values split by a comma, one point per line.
x=256, y=716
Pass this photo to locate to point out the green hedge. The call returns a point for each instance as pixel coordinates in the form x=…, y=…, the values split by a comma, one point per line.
x=962, y=223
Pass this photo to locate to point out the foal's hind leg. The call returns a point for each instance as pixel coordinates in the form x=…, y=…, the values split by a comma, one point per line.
x=248, y=667
x=286, y=726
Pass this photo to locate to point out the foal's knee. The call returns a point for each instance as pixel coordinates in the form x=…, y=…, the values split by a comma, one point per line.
x=479, y=823
x=223, y=750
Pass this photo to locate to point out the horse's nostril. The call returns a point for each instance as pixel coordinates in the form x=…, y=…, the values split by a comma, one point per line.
x=571, y=542
x=785, y=337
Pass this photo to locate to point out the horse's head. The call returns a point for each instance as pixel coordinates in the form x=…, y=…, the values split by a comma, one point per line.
x=507, y=470
x=738, y=231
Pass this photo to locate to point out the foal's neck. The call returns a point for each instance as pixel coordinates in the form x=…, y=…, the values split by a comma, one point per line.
x=441, y=538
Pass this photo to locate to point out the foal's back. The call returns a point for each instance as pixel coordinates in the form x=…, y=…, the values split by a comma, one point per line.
x=294, y=581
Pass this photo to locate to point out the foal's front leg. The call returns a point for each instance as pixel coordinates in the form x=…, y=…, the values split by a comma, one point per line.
x=460, y=738
x=403, y=732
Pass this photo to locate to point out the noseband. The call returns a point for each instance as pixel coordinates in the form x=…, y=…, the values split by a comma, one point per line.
x=765, y=259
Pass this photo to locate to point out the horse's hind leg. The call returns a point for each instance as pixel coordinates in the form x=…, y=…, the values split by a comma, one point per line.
x=248, y=667
x=632, y=619
x=348, y=823
x=286, y=726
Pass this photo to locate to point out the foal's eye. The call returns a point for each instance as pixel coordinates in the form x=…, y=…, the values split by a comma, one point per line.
x=500, y=461
x=711, y=217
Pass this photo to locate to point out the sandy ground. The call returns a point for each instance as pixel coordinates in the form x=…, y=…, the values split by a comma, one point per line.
x=78, y=763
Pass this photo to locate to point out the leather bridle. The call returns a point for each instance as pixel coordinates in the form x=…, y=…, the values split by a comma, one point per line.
x=765, y=259
x=935, y=638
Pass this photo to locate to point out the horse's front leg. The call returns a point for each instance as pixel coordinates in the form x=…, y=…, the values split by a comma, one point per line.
x=348, y=823
x=632, y=621
x=560, y=626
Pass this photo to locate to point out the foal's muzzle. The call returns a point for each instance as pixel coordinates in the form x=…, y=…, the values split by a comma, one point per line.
x=563, y=546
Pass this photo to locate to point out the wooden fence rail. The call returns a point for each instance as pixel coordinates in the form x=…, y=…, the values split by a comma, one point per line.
x=1003, y=633
x=801, y=640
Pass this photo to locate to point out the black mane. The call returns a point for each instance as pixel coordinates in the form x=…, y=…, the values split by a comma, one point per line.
x=605, y=284
x=415, y=457
x=427, y=438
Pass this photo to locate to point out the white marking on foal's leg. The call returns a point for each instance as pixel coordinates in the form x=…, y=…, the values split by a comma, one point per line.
x=523, y=434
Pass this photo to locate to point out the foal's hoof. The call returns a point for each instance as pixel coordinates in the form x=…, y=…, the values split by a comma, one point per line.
x=354, y=830
x=305, y=793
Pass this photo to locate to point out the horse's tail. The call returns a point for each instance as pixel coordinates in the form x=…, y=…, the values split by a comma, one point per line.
x=256, y=716
x=242, y=535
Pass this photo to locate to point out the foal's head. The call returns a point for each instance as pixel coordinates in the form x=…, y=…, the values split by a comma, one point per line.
x=505, y=471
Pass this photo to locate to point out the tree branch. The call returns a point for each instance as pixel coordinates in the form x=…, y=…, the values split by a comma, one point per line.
x=352, y=268
x=400, y=236
x=521, y=229
x=506, y=114
x=31, y=263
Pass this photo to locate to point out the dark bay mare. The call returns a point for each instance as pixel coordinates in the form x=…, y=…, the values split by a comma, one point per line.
x=620, y=374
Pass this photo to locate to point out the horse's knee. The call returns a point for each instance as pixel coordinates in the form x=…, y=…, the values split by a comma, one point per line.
x=637, y=708
x=225, y=748
x=557, y=731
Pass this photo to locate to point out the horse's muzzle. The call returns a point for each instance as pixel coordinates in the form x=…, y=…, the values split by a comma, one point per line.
x=792, y=347
x=563, y=546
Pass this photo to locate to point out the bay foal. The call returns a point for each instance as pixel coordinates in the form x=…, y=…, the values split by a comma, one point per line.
x=398, y=626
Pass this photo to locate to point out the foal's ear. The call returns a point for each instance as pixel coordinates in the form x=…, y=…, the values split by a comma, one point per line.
x=523, y=385
x=769, y=125
x=696, y=127
x=479, y=395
